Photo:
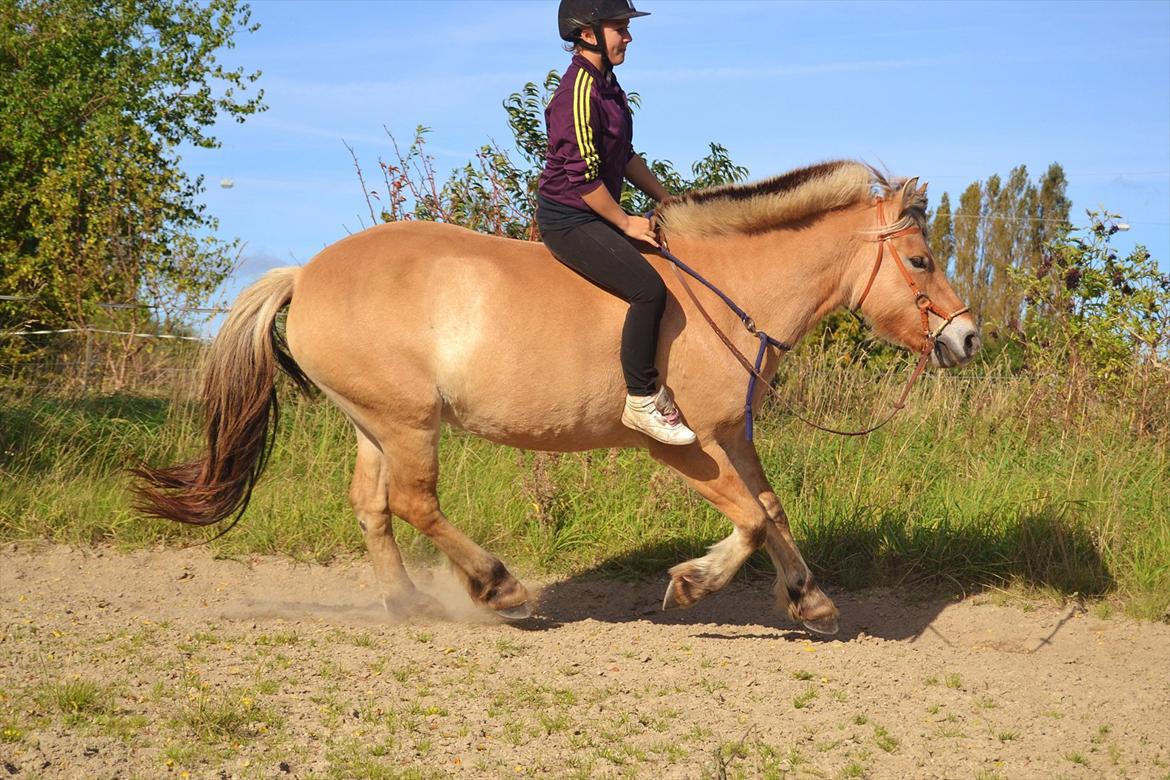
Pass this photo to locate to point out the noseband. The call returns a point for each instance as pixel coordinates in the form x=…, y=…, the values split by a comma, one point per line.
x=926, y=307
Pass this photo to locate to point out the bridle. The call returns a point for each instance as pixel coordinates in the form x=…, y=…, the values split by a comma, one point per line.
x=922, y=301
x=926, y=307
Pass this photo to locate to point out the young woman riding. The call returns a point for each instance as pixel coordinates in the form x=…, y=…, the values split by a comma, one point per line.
x=590, y=129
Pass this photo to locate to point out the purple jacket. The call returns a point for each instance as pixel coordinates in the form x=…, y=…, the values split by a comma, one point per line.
x=590, y=130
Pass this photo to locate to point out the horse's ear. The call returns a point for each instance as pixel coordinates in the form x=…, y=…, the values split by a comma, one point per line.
x=921, y=191
x=909, y=191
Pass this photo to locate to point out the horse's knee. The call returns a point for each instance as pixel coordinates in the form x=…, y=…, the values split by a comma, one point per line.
x=418, y=509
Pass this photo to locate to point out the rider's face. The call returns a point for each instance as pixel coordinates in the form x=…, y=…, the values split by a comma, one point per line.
x=617, y=37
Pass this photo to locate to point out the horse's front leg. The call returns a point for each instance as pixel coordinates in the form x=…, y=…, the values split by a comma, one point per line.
x=709, y=469
x=795, y=587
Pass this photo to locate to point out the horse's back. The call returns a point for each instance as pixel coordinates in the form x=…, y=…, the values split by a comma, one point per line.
x=494, y=332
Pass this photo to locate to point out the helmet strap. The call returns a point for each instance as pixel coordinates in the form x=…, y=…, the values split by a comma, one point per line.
x=599, y=47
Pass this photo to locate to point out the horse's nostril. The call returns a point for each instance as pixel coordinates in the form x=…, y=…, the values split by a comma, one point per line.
x=971, y=344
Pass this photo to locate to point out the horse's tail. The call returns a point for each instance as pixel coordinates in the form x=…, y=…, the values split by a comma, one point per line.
x=239, y=393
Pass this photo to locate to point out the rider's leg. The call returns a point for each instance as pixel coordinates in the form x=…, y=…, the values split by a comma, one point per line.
x=604, y=256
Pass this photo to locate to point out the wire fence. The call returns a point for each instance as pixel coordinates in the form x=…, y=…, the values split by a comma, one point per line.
x=85, y=361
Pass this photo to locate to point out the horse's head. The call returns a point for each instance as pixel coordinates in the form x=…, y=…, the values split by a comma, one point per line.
x=900, y=288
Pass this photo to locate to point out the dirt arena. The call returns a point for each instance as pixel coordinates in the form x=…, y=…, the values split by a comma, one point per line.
x=175, y=664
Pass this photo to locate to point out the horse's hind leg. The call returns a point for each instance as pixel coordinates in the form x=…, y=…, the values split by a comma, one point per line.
x=795, y=588
x=710, y=471
x=412, y=456
x=369, y=497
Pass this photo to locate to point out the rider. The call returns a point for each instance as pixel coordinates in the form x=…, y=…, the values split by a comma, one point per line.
x=589, y=155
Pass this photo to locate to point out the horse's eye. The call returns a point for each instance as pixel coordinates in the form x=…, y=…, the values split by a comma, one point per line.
x=919, y=262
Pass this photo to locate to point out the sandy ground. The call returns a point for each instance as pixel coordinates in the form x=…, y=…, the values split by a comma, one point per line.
x=198, y=667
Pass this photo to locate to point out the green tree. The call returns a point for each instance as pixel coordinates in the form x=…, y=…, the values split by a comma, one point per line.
x=96, y=98
x=1106, y=315
x=1001, y=229
x=1050, y=223
x=968, y=247
x=942, y=234
x=1008, y=219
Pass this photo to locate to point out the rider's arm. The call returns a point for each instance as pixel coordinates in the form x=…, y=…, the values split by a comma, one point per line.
x=607, y=208
x=644, y=179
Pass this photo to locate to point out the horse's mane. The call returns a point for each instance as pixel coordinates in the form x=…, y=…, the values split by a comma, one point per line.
x=783, y=199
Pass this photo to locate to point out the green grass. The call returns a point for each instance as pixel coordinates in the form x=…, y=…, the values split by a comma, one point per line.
x=981, y=481
x=224, y=717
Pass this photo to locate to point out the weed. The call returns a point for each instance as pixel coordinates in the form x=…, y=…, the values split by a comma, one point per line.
x=953, y=680
x=883, y=739
x=802, y=675
x=508, y=648
x=280, y=639
x=553, y=723
x=1076, y=758
x=79, y=701
x=802, y=700
x=853, y=769
x=224, y=716
x=363, y=640
x=711, y=686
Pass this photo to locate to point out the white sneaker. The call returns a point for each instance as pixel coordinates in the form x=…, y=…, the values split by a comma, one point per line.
x=657, y=417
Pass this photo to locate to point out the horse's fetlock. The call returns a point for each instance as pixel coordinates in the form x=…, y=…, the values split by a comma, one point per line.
x=757, y=533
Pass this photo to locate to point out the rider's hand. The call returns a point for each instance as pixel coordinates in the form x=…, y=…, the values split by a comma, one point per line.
x=639, y=228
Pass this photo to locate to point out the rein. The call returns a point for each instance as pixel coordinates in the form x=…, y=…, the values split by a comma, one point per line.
x=921, y=300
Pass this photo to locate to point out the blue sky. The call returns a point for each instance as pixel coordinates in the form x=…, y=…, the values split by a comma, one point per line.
x=948, y=91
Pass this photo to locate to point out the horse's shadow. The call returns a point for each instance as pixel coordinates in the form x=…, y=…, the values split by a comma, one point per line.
x=904, y=609
x=744, y=609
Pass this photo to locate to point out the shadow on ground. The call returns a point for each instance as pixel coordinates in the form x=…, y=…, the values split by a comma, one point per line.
x=904, y=608
x=746, y=603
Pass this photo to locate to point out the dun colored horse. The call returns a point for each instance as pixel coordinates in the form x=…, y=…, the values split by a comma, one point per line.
x=407, y=325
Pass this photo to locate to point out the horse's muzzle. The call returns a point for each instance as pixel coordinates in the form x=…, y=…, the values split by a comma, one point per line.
x=956, y=345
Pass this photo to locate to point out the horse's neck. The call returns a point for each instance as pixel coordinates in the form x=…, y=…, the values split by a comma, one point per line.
x=786, y=280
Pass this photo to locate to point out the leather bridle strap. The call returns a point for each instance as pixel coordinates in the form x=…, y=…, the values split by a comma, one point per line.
x=926, y=307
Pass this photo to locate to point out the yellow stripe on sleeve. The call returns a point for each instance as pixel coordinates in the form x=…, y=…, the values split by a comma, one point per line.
x=581, y=117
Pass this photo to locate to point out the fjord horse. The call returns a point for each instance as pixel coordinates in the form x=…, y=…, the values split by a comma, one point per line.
x=407, y=325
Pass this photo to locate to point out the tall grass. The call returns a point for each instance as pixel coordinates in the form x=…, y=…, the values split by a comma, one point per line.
x=983, y=480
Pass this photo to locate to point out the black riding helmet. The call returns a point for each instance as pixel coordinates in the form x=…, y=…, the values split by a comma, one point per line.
x=575, y=14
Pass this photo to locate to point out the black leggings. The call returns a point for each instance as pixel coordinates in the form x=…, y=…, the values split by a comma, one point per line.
x=604, y=256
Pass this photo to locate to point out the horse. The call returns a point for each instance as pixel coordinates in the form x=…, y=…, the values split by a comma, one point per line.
x=407, y=325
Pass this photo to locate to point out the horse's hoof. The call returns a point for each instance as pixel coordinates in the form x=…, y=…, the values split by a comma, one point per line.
x=827, y=626
x=670, y=600
x=520, y=612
